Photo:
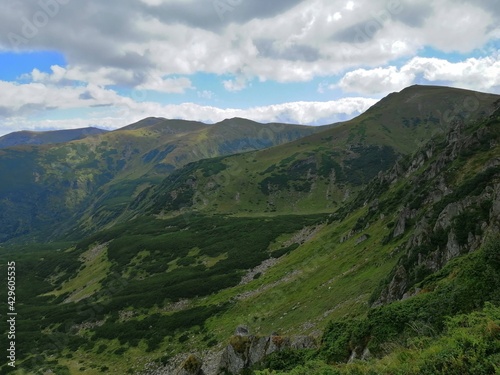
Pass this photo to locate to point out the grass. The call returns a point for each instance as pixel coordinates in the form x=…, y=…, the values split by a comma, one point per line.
x=453, y=328
x=331, y=279
x=87, y=281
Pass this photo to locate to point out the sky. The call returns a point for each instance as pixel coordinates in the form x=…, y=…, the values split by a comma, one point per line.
x=70, y=63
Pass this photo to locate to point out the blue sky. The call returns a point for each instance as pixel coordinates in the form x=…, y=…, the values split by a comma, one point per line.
x=69, y=64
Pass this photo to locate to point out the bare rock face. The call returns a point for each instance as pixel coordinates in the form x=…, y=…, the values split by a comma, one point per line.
x=404, y=216
x=452, y=247
x=245, y=350
x=191, y=366
x=395, y=289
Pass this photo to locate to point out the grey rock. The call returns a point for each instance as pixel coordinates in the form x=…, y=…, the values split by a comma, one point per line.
x=452, y=247
x=242, y=331
x=404, y=215
x=245, y=351
x=191, y=366
x=363, y=238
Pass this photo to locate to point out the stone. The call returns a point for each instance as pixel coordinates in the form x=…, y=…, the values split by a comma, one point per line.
x=245, y=351
x=452, y=247
x=191, y=366
x=363, y=238
x=242, y=331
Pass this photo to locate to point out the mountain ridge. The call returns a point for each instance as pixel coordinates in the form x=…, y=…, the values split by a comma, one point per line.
x=88, y=181
x=321, y=170
x=26, y=137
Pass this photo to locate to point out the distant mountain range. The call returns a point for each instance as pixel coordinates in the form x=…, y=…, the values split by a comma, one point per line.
x=87, y=183
x=47, y=137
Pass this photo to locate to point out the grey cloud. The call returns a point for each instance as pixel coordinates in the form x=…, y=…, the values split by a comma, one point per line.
x=491, y=6
x=411, y=14
x=250, y=9
x=86, y=96
x=31, y=108
x=91, y=33
x=6, y=112
x=138, y=77
x=415, y=14
x=101, y=105
x=360, y=32
x=295, y=52
x=214, y=15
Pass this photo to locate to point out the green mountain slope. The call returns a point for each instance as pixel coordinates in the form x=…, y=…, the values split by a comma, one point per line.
x=47, y=137
x=372, y=279
x=318, y=172
x=85, y=184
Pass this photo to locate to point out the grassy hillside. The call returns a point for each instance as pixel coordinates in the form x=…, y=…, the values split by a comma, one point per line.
x=319, y=172
x=453, y=328
x=398, y=276
x=86, y=184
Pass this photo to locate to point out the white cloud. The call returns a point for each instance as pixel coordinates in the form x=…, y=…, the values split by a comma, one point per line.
x=473, y=73
x=458, y=26
x=481, y=74
x=168, y=85
x=375, y=81
x=349, y=5
x=237, y=84
x=166, y=38
x=22, y=102
x=205, y=94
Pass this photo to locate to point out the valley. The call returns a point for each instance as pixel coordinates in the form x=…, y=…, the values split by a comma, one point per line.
x=369, y=246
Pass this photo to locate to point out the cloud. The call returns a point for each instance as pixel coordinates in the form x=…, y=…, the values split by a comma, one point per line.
x=182, y=37
x=237, y=84
x=481, y=74
x=167, y=85
x=22, y=103
x=294, y=52
x=414, y=14
x=26, y=99
x=205, y=94
x=375, y=81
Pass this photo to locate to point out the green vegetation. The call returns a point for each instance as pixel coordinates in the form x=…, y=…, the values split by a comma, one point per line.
x=453, y=328
x=167, y=245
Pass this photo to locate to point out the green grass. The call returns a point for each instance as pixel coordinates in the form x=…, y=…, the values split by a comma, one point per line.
x=452, y=329
x=87, y=281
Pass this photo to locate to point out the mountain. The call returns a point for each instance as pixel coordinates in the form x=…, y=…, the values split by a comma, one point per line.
x=47, y=137
x=85, y=184
x=401, y=275
x=319, y=172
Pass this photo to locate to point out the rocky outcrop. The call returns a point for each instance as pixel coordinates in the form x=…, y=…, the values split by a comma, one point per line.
x=452, y=247
x=243, y=351
x=448, y=215
x=360, y=353
x=191, y=366
x=403, y=218
x=396, y=288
